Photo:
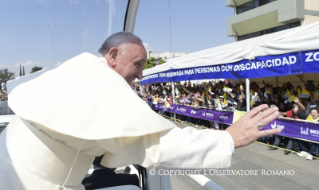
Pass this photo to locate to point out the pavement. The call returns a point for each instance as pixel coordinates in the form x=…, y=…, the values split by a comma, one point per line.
x=261, y=168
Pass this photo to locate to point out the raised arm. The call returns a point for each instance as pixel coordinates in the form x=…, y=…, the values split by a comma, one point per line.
x=296, y=100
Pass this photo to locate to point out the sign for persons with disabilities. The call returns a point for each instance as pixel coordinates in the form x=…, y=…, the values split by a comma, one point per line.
x=263, y=66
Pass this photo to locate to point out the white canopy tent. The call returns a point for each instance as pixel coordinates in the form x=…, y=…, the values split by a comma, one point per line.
x=298, y=39
x=301, y=38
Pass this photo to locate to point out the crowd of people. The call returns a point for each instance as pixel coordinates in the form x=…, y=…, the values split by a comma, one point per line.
x=294, y=102
x=3, y=91
x=4, y=107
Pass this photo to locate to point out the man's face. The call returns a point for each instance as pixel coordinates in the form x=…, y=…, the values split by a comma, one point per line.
x=128, y=61
x=314, y=114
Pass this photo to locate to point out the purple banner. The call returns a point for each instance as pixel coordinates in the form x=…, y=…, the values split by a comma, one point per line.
x=296, y=129
x=206, y=114
x=160, y=107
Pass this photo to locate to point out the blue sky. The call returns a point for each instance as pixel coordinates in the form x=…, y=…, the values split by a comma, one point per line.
x=46, y=32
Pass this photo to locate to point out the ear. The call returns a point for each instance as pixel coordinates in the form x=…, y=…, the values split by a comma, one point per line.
x=113, y=56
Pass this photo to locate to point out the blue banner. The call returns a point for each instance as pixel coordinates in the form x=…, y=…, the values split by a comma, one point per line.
x=264, y=66
x=310, y=61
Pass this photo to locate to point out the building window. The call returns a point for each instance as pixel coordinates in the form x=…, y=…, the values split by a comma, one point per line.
x=251, y=5
x=269, y=31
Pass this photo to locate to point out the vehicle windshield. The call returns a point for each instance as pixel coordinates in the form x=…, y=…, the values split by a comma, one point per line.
x=39, y=34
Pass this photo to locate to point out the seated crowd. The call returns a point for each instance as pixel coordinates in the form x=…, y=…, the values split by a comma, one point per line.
x=298, y=103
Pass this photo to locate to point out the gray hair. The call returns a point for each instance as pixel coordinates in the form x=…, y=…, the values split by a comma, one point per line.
x=119, y=39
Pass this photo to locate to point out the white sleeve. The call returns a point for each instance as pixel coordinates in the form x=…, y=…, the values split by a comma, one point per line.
x=192, y=148
x=142, y=150
x=176, y=148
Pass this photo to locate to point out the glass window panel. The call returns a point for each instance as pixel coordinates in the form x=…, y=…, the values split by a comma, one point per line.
x=296, y=24
x=246, y=7
x=43, y=33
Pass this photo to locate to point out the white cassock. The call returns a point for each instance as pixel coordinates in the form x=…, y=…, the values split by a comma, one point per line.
x=58, y=130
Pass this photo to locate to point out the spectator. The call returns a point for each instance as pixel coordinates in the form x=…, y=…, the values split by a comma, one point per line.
x=149, y=99
x=290, y=114
x=241, y=102
x=4, y=86
x=307, y=148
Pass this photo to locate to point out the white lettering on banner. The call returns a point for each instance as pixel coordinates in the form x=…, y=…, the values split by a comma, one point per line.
x=182, y=110
x=149, y=77
x=285, y=61
x=189, y=72
x=314, y=132
x=277, y=62
x=309, y=55
x=193, y=112
x=247, y=68
x=258, y=64
x=274, y=125
x=253, y=66
x=268, y=63
x=304, y=131
x=264, y=64
x=223, y=117
x=207, y=69
x=242, y=67
x=173, y=74
x=203, y=114
x=209, y=115
x=227, y=68
x=312, y=56
x=292, y=59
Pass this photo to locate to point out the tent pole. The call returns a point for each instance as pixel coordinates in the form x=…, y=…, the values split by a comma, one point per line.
x=173, y=93
x=247, y=96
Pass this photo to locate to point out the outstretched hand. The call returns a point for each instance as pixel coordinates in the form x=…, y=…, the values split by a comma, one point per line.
x=245, y=130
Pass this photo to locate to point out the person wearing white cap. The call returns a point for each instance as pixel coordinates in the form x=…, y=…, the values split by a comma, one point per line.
x=52, y=141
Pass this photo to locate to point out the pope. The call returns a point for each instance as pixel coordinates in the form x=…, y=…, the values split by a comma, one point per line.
x=53, y=139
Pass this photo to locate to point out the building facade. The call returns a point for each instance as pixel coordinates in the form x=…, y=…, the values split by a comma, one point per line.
x=254, y=18
x=165, y=55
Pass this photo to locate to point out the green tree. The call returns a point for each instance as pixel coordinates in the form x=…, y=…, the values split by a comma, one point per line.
x=151, y=62
x=6, y=75
x=23, y=71
x=20, y=71
x=35, y=69
x=161, y=61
